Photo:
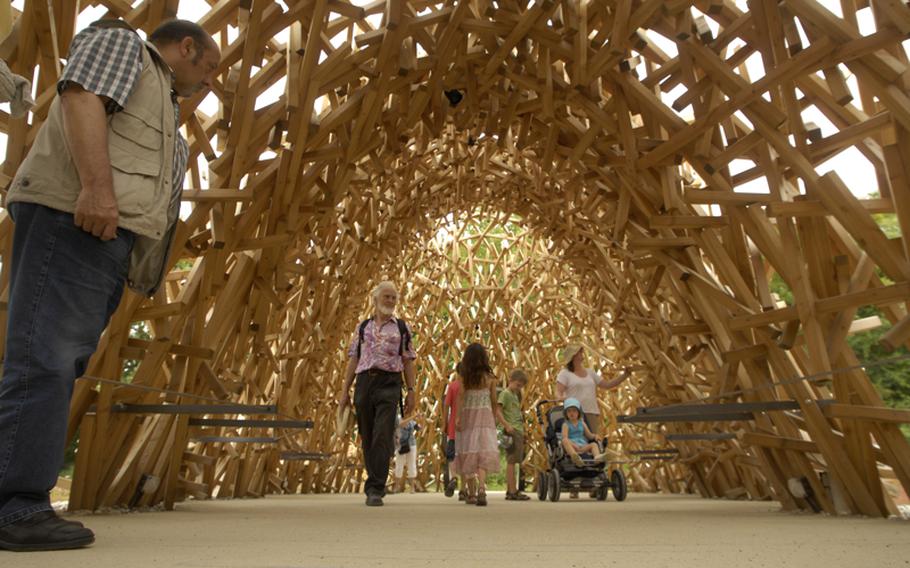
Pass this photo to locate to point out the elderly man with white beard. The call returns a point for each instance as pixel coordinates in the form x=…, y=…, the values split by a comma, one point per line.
x=380, y=352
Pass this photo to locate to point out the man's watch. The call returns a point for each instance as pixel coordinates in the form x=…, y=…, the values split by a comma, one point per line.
x=411, y=389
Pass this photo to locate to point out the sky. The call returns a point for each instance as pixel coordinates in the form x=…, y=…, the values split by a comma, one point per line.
x=856, y=171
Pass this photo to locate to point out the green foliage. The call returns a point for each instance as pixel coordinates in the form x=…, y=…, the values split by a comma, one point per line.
x=138, y=330
x=69, y=459
x=184, y=264
x=779, y=287
x=497, y=481
x=893, y=379
x=887, y=222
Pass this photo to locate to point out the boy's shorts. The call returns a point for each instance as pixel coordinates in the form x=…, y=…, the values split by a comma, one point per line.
x=516, y=452
x=450, y=450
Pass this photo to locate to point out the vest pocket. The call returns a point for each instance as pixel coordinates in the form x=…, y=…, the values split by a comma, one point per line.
x=134, y=147
x=136, y=134
x=135, y=181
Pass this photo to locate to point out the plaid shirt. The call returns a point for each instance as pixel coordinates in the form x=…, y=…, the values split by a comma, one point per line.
x=108, y=62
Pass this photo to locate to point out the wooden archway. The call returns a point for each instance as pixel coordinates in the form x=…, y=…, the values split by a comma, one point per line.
x=626, y=137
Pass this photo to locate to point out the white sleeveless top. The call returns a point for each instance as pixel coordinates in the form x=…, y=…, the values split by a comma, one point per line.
x=583, y=388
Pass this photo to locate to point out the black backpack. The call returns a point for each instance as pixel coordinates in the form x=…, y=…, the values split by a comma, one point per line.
x=402, y=331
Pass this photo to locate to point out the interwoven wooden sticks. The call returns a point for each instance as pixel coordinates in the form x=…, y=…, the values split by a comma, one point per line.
x=650, y=163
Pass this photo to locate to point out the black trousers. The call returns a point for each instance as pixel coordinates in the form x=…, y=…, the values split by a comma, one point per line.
x=376, y=398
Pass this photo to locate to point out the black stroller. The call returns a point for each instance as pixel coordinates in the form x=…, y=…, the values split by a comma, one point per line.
x=562, y=474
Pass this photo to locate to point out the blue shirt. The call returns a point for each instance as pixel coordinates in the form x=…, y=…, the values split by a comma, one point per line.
x=577, y=433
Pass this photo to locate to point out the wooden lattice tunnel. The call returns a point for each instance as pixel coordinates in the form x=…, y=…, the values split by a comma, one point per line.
x=632, y=173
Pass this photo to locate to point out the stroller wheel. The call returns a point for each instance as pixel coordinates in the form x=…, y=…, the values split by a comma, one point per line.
x=543, y=480
x=554, y=488
x=618, y=482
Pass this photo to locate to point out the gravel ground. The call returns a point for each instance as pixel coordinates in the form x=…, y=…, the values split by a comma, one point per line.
x=430, y=530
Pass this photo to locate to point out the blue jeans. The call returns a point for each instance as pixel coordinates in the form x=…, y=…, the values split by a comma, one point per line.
x=64, y=286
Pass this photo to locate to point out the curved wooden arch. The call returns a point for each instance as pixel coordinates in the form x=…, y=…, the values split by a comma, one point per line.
x=625, y=136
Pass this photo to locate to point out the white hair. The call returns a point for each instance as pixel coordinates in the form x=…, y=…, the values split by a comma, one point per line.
x=385, y=284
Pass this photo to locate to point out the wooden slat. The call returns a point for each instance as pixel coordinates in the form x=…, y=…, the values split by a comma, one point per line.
x=592, y=176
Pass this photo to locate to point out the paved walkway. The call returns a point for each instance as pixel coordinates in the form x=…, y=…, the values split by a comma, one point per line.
x=430, y=530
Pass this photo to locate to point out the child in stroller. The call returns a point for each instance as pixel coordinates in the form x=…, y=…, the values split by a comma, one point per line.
x=577, y=439
x=588, y=470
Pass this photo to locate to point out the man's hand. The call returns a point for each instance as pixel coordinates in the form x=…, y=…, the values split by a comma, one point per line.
x=85, y=125
x=97, y=213
x=410, y=402
x=509, y=430
x=344, y=399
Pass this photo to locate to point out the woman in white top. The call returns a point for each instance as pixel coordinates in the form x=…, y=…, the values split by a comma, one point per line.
x=576, y=381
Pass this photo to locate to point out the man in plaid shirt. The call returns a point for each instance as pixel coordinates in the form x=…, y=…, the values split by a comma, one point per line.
x=95, y=200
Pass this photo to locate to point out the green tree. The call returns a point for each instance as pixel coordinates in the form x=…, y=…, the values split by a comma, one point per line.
x=892, y=379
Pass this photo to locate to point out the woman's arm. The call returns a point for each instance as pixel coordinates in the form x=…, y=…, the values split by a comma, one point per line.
x=588, y=434
x=591, y=435
x=560, y=391
x=605, y=384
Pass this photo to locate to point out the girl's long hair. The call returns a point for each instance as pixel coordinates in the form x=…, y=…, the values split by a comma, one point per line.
x=474, y=366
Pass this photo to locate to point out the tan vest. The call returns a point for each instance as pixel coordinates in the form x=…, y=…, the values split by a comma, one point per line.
x=141, y=141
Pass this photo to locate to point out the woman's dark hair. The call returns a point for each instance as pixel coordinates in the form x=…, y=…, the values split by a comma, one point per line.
x=571, y=364
x=174, y=31
x=474, y=366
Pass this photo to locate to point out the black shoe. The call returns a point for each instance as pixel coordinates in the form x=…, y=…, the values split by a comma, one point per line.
x=450, y=487
x=44, y=531
x=374, y=501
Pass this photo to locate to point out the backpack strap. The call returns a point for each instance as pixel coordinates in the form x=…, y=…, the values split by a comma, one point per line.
x=405, y=340
x=360, y=331
x=405, y=336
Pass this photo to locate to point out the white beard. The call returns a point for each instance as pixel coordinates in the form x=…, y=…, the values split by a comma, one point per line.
x=384, y=311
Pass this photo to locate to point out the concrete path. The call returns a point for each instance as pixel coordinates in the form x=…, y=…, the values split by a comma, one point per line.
x=430, y=530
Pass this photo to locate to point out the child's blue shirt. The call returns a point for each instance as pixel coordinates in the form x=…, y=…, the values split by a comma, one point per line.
x=577, y=433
